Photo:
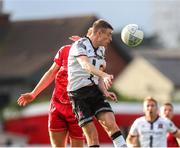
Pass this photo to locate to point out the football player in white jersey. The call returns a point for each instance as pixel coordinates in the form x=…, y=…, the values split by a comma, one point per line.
x=150, y=130
x=86, y=58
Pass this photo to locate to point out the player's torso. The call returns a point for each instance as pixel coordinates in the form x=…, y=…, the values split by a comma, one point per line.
x=60, y=90
x=77, y=76
x=152, y=134
x=61, y=77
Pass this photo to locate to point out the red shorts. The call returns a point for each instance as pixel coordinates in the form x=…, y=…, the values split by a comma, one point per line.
x=62, y=118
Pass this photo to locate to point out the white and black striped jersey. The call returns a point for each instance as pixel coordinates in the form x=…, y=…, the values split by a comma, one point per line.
x=78, y=77
x=152, y=134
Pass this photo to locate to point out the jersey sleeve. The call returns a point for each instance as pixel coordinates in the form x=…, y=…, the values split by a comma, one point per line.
x=134, y=129
x=58, y=57
x=170, y=126
x=79, y=49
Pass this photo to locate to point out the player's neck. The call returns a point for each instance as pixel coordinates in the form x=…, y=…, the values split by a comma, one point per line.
x=151, y=118
x=94, y=41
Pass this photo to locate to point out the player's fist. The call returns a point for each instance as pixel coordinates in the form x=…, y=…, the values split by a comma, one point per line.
x=26, y=98
x=108, y=80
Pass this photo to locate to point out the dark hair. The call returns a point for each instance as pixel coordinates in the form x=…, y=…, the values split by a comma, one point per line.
x=101, y=24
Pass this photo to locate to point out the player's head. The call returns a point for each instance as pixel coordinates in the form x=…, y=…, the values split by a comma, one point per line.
x=166, y=110
x=102, y=31
x=150, y=106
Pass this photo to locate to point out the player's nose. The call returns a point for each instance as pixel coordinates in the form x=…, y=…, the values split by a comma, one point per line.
x=110, y=38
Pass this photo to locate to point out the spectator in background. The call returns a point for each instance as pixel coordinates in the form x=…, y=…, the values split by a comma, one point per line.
x=167, y=111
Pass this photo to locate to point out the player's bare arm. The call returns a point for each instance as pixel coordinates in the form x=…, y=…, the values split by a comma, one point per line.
x=86, y=65
x=178, y=141
x=177, y=134
x=132, y=141
x=102, y=87
x=47, y=79
x=106, y=93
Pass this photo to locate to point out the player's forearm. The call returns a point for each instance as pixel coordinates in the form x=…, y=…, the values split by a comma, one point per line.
x=47, y=79
x=102, y=86
x=92, y=69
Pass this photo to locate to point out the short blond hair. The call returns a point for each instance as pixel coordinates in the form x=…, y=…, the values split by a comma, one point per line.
x=149, y=98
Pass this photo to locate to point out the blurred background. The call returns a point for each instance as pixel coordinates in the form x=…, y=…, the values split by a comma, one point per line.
x=32, y=31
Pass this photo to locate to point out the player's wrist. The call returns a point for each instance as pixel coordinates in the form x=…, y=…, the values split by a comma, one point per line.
x=103, y=75
x=33, y=95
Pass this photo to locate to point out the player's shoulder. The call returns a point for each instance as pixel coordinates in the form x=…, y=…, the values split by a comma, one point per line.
x=140, y=120
x=166, y=121
x=65, y=47
x=81, y=40
x=82, y=43
x=163, y=119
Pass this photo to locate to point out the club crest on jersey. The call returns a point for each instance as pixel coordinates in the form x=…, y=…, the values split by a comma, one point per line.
x=160, y=125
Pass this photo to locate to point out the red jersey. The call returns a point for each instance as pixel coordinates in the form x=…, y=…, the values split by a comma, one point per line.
x=171, y=140
x=60, y=92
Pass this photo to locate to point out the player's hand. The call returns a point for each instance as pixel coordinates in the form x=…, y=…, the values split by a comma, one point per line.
x=74, y=38
x=26, y=98
x=111, y=95
x=108, y=81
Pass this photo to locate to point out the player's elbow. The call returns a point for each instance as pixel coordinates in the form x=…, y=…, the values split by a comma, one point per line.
x=130, y=140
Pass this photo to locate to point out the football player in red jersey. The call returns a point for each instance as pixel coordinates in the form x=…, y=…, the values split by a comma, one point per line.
x=62, y=121
x=167, y=111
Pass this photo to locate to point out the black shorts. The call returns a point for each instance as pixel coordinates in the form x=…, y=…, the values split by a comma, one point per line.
x=88, y=102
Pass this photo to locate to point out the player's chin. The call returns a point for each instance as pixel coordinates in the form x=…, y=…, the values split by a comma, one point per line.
x=151, y=113
x=107, y=44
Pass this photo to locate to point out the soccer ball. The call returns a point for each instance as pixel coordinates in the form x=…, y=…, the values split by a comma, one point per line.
x=132, y=35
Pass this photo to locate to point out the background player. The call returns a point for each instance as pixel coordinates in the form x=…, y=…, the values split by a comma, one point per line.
x=167, y=111
x=150, y=130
